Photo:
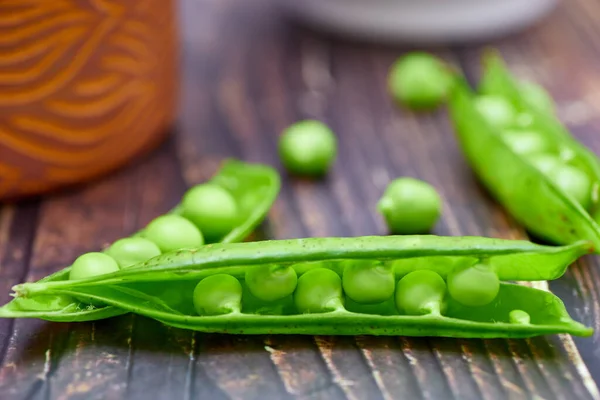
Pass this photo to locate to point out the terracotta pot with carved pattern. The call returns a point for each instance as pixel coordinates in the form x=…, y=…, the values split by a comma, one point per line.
x=85, y=85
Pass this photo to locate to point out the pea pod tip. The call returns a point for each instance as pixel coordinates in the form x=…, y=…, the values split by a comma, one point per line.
x=24, y=289
x=584, y=331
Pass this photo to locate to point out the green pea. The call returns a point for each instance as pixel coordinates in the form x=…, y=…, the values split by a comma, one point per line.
x=212, y=209
x=498, y=112
x=526, y=142
x=519, y=317
x=537, y=97
x=366, y=282
x=419, y=80
x=574, y=182
x=319, y=290
x=545, y=162
x=173, y=232
x=410, y=206
x=477, y=285
x=131, y=251
x=218, y=294
x=271, y=282
x=421, y=292
x=308, y=148
x=92, y=264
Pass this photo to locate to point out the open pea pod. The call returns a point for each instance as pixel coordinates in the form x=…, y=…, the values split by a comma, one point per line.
x=545, y=313
x=498, y=81
x=512, y=178
x=255, y=188
x=394, y=285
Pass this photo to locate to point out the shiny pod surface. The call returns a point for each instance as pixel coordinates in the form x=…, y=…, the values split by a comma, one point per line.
x=317, y=303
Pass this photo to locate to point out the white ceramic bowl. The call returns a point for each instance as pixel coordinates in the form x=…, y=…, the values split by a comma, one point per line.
x=420, y=21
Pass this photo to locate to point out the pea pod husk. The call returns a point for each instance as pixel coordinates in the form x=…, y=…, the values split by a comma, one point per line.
x=141, y=289
x=549, y=316
x=533, y=199
x=255, y=188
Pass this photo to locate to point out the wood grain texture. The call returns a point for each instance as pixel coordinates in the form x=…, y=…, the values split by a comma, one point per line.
x=246, y=75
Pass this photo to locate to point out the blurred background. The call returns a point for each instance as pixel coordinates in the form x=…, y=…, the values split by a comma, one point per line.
x=88, y=85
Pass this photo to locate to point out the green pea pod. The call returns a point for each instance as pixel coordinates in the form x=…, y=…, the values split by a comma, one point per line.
x=525, y=191
x=548, y=316
x=254, y=186
x=498, y=81
x=317, y=305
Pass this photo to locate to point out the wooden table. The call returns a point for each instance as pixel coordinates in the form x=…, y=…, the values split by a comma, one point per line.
x=247, y=74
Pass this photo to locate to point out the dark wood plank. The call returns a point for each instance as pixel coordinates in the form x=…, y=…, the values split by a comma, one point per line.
x=17, y=228
x=65, y=359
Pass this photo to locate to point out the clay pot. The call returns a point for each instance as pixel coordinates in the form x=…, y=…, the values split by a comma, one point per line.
x=85, y=86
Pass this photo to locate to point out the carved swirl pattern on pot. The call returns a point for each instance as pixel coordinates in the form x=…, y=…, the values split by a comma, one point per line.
x=84, y=86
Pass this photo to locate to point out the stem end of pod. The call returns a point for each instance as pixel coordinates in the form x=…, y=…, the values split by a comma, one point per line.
x=18, y=291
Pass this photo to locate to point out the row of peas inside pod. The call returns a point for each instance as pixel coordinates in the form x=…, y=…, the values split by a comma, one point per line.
x=525, y=157
x=325, y=288
x=224, y=209
x=385, y=285
x=207, y=213
x=555, y=160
